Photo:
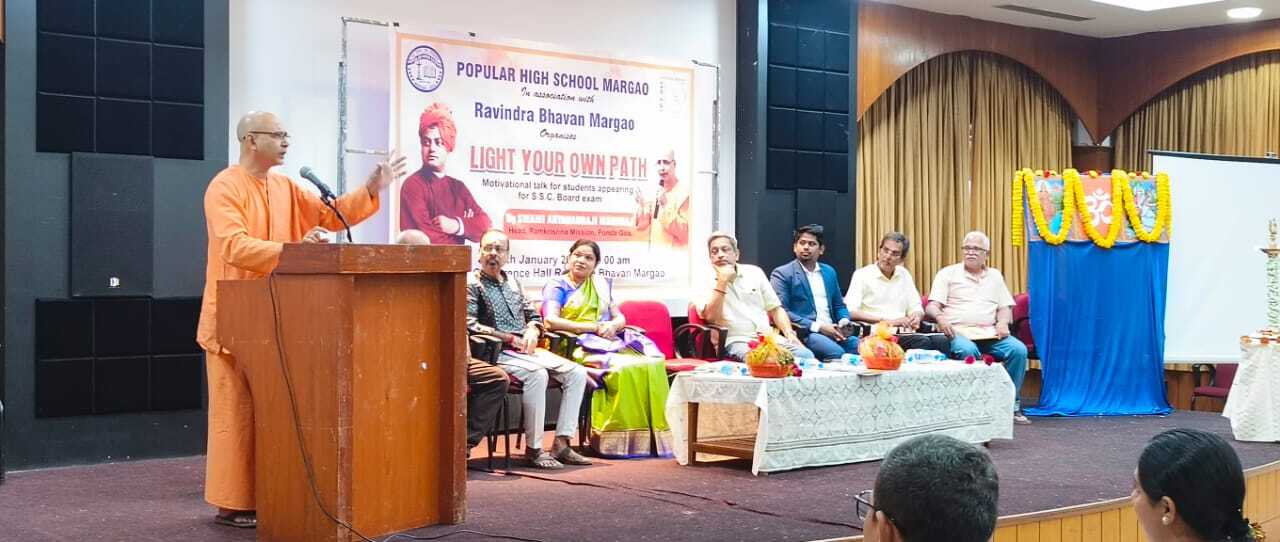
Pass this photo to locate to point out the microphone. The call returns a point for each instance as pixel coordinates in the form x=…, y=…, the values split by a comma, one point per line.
x=326, y=196
x=325, y=193
x=657, y=197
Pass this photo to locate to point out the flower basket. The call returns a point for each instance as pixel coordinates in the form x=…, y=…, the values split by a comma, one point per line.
x=881, y=350
x=768, y=360
x=769, y=370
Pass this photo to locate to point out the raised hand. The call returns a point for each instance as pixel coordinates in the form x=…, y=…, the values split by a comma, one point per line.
x=386, y=171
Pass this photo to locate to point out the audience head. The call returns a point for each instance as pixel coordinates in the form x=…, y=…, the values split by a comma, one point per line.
x=893, y=249
x=584, y=255
x=494, y=249
x=933, y=487
x=722, y=248
x=1189, y=486
x=412, y=237
x=975, y=248
x=438, y=134
x=263, y=139
x=807, y=243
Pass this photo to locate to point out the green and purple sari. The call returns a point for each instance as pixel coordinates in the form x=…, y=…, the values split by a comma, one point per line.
x=628, y=416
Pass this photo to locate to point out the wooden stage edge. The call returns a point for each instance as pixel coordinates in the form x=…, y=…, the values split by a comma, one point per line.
x=1114, y=519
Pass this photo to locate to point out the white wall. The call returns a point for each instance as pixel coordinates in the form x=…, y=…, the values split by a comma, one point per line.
x=284, y=59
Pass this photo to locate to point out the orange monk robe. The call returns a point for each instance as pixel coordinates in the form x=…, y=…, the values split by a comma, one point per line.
x=249, y=221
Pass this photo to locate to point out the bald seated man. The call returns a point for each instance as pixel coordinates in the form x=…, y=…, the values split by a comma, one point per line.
x=251, y=213
x=413, y=237
x=486, y=383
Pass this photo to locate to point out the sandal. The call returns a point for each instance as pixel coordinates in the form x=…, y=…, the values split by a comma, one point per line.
x=243, y=520
x=570, y=457
x=543, y=460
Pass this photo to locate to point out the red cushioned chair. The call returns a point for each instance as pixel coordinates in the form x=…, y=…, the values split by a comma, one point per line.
x=700, y=339
x=1220, y=378
x=655, y=320
x=1021, y=327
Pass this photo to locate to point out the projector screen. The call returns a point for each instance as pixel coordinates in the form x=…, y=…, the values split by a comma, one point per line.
x=1217, y=275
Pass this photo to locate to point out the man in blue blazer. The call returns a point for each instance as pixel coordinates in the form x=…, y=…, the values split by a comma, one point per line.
x=811, y=295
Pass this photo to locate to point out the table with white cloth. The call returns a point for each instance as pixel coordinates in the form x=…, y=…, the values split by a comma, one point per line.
x=1254, y=402
x=832, y=418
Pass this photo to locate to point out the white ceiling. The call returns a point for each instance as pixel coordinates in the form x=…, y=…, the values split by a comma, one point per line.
x=1108, y=21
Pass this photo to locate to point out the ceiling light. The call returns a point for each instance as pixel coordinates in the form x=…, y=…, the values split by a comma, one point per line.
x=1243, y=13
x=1154, y=5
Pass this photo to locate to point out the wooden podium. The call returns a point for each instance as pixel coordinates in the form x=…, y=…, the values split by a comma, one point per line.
x=374, y=341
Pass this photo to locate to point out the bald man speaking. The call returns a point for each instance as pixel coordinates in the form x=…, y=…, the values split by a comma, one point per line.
x=251, y=212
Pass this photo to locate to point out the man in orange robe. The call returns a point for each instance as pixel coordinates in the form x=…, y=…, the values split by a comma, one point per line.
x=669, y=210
x=251, y=212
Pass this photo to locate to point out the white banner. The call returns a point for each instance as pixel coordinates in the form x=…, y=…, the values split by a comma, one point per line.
x=550, y=147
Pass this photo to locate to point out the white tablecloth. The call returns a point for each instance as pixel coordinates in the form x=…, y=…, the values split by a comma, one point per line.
x=832, y=418
x=1254, y=402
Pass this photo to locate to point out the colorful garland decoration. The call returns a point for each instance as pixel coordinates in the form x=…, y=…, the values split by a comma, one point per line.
x=1164, y=216
x=1037, y=212
x=1071, y=178
x=1123, y=205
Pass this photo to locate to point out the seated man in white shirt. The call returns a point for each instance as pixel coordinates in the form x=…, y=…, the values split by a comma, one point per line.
x=743, y=301
x=885, y=292
x=972, y=305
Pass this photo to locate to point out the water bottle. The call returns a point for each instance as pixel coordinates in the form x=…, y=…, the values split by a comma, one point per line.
x=726, y=370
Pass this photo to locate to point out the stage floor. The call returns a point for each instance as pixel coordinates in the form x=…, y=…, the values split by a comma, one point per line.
x=1052, y=463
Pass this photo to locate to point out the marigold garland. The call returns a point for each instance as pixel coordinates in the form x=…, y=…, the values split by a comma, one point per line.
x=1164, y=216
x=1123, y=205
x=1016, y=219
x=1037, y=212
x=1071, y=178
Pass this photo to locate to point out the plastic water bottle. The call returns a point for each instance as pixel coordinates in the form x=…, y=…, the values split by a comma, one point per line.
x=726, y=370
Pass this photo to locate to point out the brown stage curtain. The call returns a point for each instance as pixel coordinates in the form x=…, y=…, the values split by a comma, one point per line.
x=920, y=171
x=1019, y=121
x=1231, y=108
x=913, y=163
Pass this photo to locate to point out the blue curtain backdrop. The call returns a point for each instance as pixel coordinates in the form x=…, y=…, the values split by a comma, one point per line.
x=1098, y=318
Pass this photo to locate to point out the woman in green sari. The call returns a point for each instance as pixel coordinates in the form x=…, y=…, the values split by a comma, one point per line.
x=628, y=416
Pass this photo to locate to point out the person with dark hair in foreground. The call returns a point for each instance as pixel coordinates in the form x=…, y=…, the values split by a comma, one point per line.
x=1189, y=486
x=932, y=487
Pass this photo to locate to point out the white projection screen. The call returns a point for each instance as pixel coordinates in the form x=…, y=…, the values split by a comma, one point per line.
x=1217, y=275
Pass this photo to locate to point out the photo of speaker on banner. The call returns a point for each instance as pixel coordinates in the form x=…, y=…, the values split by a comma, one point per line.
x=668, y=207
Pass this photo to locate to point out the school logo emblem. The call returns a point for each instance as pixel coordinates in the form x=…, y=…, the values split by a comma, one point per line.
x=424, y=68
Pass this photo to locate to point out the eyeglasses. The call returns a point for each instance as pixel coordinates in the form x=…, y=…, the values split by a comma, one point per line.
x=862, y=505
x=277, y=135
x=975, y=250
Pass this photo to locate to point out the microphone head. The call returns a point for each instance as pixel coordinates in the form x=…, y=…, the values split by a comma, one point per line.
x=305, y=171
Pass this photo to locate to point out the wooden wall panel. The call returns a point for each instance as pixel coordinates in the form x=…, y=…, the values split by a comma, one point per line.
x=1149, y=63
x=1085, y=158
x=893, y=39
x=1103, y=80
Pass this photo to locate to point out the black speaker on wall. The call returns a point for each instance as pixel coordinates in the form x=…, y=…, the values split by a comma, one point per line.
x=111, y=225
